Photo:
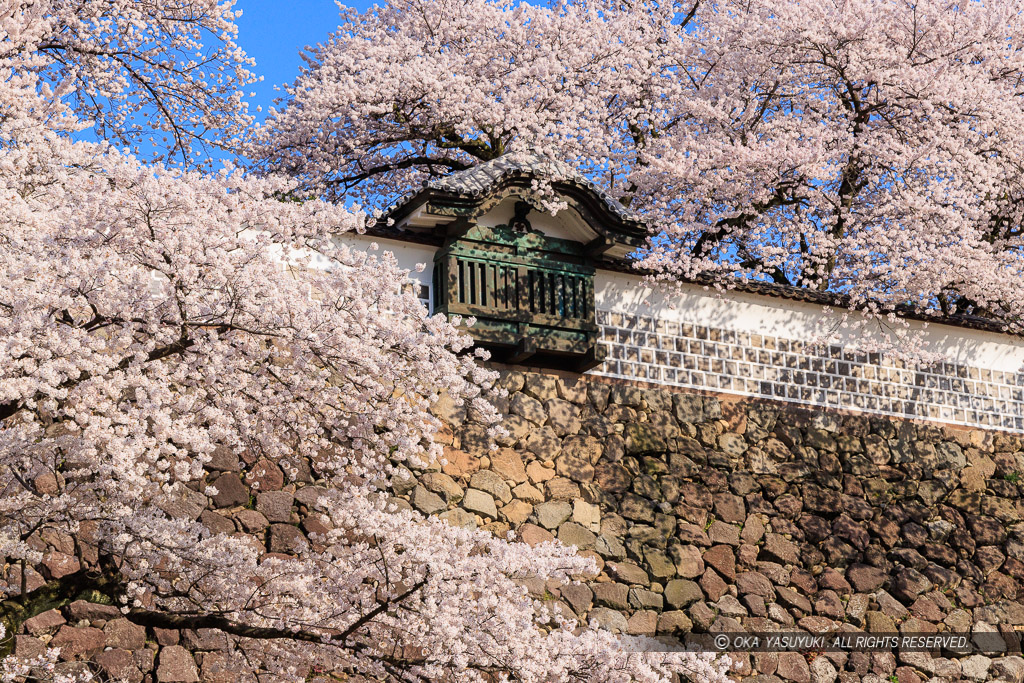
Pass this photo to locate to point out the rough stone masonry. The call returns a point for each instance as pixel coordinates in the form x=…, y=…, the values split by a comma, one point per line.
x=703, y=515
x=710, y=516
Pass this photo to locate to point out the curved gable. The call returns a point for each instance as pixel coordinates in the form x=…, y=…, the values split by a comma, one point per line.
x=449, y=205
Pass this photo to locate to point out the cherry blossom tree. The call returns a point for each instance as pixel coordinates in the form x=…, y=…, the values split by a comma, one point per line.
x=165, y=78
x=421, y=88
x=865, y=148
x=154, y=320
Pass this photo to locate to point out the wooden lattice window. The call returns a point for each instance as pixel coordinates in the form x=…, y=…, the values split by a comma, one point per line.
x=532, y=295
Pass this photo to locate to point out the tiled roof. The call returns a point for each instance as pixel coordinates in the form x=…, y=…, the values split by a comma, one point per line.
x=482, y=178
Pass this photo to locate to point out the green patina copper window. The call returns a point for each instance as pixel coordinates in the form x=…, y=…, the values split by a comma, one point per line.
x=532, y=295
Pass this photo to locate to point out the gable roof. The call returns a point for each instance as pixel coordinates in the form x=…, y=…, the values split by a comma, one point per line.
x=470, y=193
x=490, y=175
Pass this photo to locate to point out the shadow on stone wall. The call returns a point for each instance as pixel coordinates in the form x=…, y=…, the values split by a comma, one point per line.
x=702, y=515
x=750, y=516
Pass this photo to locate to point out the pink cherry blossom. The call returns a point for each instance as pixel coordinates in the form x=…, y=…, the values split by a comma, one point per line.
x=867, y=148
x=152, y=316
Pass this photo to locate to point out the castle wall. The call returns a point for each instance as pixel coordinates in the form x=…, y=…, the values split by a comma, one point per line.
x=716, y=514
x=764, y=347
x=704, y=513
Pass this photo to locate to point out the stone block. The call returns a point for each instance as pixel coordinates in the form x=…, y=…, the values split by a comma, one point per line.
x=681, y=593
x=609, y=619
x=577, y=458
x=124, y=634
x=459, y=463
x=459, y=517
x=571, y=533
x=636, y=508
x=492, y=484
x=426, y=501
x=642, y=623
x=265, y=476
x=659, y=563
x=563, y=416
x=528, y=408
x=641, y=599
x=516, y=512
x=481, y=503
x=537, y=473
x=541, y=386
x=44, y=622
x=119, y=665
x=689, y=563
x=642, y=438
x=586, y=514
x=531, y=534
x=56, y=565
x=176, y=666
x=688, y=408
x=276, y=506
x=552, y=514
x=865, y=578
x=612, y=477
x=508, y=464
x=78, y=643
x=251, y=521
x=561, y=488
x=792, y=666
x=544, y=443
x=579, y=596
x=614, y=595
x=230, y=491
x=287, y=539
x=217, y=523
x=628, y=573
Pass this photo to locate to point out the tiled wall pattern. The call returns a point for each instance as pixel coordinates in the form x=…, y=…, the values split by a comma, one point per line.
x=685, y=355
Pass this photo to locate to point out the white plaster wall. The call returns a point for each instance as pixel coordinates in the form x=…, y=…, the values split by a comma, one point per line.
x=744, y=312
x=738, y=311
x=407, y=254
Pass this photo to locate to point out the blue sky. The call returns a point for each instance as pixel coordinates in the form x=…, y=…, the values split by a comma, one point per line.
x=274, y=31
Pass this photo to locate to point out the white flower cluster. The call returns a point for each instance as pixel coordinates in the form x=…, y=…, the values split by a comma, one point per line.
x=42, y=668
x=146, y=321
x=866, y=148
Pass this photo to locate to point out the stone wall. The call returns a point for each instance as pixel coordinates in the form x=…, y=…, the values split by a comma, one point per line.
x=703, y=515
x=707, y=515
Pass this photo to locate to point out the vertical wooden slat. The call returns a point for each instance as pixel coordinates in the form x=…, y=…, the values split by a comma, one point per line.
x=517, y=292
x=485, y=282
x=481, y=280
x=509, y=287
x=552, y=294
x=540, y=297
x=499, y=287
x=577, y=293
x=589, y=299
x=567, y=285
x=560, y=295
x=457, y=280
x=581, y=301
x=441, y=293
x=525, y=284
x=492, y=284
